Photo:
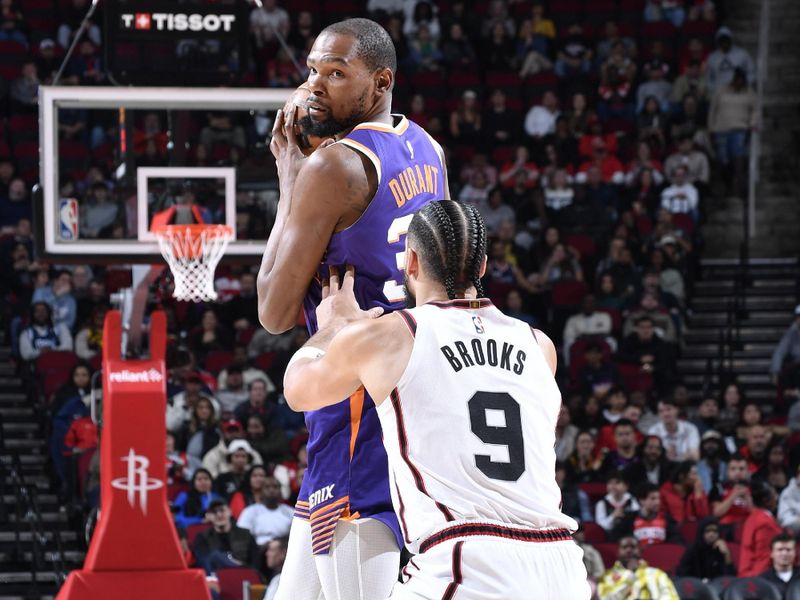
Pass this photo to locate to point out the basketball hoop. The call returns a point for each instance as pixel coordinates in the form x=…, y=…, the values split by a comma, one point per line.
x=193, y=252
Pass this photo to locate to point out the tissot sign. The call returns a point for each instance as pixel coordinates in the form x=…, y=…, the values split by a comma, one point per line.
x=163, y=42
x=143, y=21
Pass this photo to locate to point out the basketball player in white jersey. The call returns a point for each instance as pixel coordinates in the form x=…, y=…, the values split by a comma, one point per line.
x=468, y=405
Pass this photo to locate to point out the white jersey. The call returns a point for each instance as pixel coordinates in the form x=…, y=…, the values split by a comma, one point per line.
x=470, y=428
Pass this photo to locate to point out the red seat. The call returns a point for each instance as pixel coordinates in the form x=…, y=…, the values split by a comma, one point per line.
x=658, y=30
x=684, y=222
x=568, y=293
x=608, y=552
x=689, y=531
x=502, y=155
x=192, y=531
x=56, y=359
x=577, y=358
x=12, y=55
x=430, y=83
x=231, y=582
x=616, y=318
x=582, y=243
x=175, y=488
x=218, y=360
x=506, y=81
x=595, y=491
x=264, y=361
x=635, y=379
x=663, y=556
x=593, y=533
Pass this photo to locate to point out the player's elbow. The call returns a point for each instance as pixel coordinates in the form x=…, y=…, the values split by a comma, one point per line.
x=275, y=316
x=272, y=324
x=295, y=392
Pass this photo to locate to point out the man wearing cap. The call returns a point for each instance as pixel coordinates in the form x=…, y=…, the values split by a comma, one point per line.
x=656, y=85
x=240, y=456
x=710, y=468
x=725, y=59
x=216, y=459
x=788, y=349
x=224, y=544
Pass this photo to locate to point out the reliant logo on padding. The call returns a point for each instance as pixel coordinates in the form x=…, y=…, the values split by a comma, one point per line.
x=126, y=376
x=177, y=22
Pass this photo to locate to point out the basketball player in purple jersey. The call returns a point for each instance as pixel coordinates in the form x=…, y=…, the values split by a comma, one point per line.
x=349, y=202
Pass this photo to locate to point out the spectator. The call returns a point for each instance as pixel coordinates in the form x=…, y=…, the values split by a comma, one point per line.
x=623, y=455
x=12, y=23
x=566, y=433
x=774, y=471
x=180, y=466
x=787, y=356
x=266, y=21
x=574, y=501
x=457, y=50
x=650, y=524
x=541, y=118
x=241, y=457
x=606, y=440
x=755, y=448
x=424, y=53
x=561, y=266
x=758, y=530
x=190, y=507
x=270, y=441
x=498, y=49
x=290, y=474
x=25, y=89
x=497, y=14
x=598, y=377
x=656, y=86
x=476, y=192
x=465, y=121
x=71, y=17
x=251, y=490
x=592, y=560
x=789, y=504
x=703, y=10
x=60, y=299
x=653, y=466
x=559, y=198
x=275, y=556
x=583, y=465
x=210, y=336
x=418, y=15
x=725, y=60
x=95, y=297
x=644, y=161
x=181, y=405
x=216, y=460
x=270, y=518
x=630, y=577
x=647, y=350
x=694, y=161
x=617, y=75
x=522, y=166
x=233, y=392
x=665, y=10
x=15, y=204
x=611, y=36
x=589, y=322
x=495, y=212
x=224, y=545
x=652, y=123
x=98, y=213
x=650, y=307
x=610, y=170
x=683, y=495
x=711, y=468
x=249, y=372
x=220, y=129
x=709, y=556
x=574, y=58
x=782, y=572
x=732, y=115
x=681, y=440
x=42, y=335
x=616, y=504
x=731, y=500
x=200, y=433
x=501, y=127
x=690, y=82
x=89, y=340
x=256, y=404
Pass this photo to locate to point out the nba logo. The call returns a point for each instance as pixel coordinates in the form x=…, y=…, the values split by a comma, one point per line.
x=476, y=321
x=68, y=219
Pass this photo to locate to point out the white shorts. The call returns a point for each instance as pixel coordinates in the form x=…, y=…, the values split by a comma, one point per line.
x=362, y=564
x=485, y=568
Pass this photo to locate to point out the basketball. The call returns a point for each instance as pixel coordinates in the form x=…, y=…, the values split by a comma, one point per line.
x=307, y=143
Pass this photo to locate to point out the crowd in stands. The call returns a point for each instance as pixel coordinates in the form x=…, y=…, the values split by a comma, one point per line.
x=591, y=135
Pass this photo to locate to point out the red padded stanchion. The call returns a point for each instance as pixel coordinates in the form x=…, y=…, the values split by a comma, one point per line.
x=135, y=552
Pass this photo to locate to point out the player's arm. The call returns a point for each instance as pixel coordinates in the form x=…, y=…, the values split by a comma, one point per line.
x=362, y=353
x=548, y=349
x=331, y=181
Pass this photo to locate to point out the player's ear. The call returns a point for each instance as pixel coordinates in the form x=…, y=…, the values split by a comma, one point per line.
x=483, y=266
x=412, y=262
x=384, y=80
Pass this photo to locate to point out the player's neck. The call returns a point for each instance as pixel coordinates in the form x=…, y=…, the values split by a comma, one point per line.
x=380, y=113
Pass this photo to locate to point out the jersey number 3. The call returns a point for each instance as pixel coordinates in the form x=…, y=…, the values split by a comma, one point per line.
x=392, y=289
x=484, y=405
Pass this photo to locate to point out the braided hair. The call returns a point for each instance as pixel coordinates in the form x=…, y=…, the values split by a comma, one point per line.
x=450, y=238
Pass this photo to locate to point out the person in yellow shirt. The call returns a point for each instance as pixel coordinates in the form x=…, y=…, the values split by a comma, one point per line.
x=631, y=579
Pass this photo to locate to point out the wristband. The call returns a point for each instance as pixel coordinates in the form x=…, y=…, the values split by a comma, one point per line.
x=305, y=352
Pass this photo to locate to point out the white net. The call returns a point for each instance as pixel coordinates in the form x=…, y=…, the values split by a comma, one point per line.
x=193, y=253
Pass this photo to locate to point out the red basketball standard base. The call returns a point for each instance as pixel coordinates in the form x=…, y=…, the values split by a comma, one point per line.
x=135, y=552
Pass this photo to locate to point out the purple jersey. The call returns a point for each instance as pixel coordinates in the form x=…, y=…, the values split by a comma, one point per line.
x=347, y=475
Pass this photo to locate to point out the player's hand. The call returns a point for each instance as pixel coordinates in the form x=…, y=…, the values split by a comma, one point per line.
x=285, y=145
x=339, y=306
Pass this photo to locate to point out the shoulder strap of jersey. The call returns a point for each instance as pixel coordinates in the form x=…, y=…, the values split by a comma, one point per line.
x=409, y=320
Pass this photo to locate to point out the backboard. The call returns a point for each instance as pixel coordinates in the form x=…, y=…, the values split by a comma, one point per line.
x=114, y=158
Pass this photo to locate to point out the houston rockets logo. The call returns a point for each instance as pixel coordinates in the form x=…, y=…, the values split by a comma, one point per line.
x=137, y=483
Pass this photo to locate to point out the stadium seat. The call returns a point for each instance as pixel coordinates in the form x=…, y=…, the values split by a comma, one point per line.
x=192, y=531
x=577, y=358
x=736, y=549
x=12, y=55
x=600, y=11
x=568, y=293
x=608, y=552
x=635, y=379
x=536, y=85
x=720, y=584
x=593, y=533
x=218, y=360
x=232, y=581
x=53, y=370
x=595, y=491
x=752, y=588
x=509, y=82
x=691, y=588
x=684, y=222
x=460, y=81
x=663, y=556
x=689, y=531
x=582, y=243
x=264, y=361
x=616, y=318
x=429, y=83
x=117, y=279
